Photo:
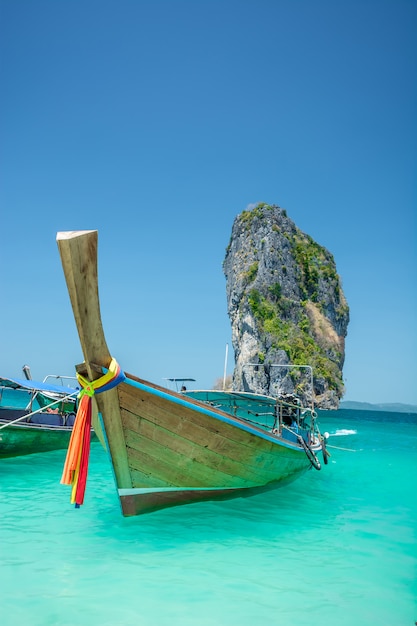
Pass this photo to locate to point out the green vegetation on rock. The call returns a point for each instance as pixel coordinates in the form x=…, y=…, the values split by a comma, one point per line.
x=294, y=339
x=285, y=295
x=314, y=262
x=252, y=271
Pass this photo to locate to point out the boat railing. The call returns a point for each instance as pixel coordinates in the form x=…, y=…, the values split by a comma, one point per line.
x=5, y=391
x=284, y=416
x=290, y=367
x=39, y=395
x=22, y=398
x=61, y=379
x=28, y=416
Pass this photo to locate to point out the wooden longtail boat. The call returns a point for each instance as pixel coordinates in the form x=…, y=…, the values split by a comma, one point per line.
x=169, y=448
x=35, y=416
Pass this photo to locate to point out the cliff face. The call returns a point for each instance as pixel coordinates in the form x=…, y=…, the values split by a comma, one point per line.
x=286, y=307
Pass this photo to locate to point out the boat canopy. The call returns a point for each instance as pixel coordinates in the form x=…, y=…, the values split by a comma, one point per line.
x=180, y=380
x=33, y=385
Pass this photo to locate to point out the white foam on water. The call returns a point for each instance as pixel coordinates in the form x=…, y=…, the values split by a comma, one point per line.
x=343, y=432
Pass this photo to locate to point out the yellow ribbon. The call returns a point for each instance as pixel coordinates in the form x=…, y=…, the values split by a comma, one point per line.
x=89, y=387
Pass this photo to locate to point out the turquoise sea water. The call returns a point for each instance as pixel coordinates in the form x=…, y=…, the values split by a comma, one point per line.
x=335, y=547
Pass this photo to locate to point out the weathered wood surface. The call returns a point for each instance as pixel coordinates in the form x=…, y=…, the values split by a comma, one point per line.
x=78, y=250
x=178, y=446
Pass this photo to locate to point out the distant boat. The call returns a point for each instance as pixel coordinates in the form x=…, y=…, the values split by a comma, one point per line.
x=170, y=448
x=35, y=416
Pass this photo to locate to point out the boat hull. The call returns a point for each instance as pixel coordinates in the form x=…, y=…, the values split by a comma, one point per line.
x=35, y=416
x=43, y=433
x=181, y=451
x=18, y=440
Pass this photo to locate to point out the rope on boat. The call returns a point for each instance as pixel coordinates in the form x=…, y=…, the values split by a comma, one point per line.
x=344, y=449
x=324, y=450
x=41, y=410
x=76, y=462
x=307, y=449
x=310, y=454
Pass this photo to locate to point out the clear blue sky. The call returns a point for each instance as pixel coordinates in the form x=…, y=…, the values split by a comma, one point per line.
x=156, y=122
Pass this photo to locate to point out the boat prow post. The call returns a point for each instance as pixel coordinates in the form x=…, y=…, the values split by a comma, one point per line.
x=78, y=251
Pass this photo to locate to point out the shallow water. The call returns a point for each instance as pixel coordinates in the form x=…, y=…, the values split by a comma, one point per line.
x=335, y=547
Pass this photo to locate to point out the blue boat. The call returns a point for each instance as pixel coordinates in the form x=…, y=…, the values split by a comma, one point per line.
x=36, y=416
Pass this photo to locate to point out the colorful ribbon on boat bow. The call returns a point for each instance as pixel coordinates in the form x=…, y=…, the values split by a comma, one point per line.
x=76, y=463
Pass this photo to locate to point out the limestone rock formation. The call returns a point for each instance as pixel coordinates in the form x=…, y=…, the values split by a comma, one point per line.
x=287, y=309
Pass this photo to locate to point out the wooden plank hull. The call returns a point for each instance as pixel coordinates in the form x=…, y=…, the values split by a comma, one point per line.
x=181, y=451
x=150, y=501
